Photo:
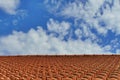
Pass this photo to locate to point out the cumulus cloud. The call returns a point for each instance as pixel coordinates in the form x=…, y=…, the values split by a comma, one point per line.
x=117, y=51
x=59, y=28
x=95, y=13
x=39, y=42
x=86, y=12
x=80, y=10
x=111, y=17
x=101, y=15
x=9, y=6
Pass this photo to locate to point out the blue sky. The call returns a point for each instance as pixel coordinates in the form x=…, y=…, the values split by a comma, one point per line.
x=59, y=27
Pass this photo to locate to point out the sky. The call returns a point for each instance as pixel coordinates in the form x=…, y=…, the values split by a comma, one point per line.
x=59, y=27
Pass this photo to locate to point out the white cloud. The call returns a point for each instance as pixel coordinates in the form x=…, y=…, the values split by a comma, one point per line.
x=107, y=47
x=112, y=18
x=54, y=3
x=60, y=28
x=79, y=10
x=9, y=6
x=85, y=12
x=93, y=8
x=39, y=42
x=78, y=33
x=118, y=51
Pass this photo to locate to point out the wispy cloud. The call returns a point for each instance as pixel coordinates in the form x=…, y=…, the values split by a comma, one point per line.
x=39, y=42
x=9, y=6
x=90, y=19
x=100, y=15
